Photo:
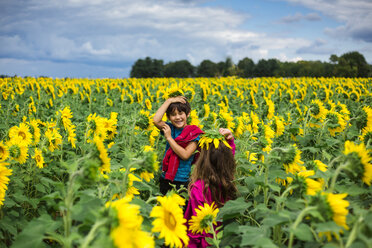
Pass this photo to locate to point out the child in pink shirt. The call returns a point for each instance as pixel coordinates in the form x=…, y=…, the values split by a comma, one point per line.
x=211, y=181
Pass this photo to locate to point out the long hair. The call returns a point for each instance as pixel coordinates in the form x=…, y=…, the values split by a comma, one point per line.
x=216, y=168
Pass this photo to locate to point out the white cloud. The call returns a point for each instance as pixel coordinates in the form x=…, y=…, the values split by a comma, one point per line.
x=355, y=15
x=298, y=17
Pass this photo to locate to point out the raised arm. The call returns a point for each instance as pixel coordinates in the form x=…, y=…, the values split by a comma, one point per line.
x=163, y=108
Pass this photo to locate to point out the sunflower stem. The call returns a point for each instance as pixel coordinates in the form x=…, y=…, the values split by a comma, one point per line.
x=92, y=233
x=335, y=175
x=297, y=222
x=216, y=242
x=354, y=232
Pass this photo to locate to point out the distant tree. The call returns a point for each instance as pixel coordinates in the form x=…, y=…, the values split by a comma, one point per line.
x=311, y=69
x=333, y=59
x=266, y=68
x=207, y=68
x=146, y=68
x=246, y=67
x=180, y=69
x=356, y=62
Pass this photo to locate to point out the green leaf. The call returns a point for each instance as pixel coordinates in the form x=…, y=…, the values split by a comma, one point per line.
x=303, y=232
x=233, y=208
x=327, y=227
x=274, y=187
x=39, y=187
x=274, y=219
x=33, y=234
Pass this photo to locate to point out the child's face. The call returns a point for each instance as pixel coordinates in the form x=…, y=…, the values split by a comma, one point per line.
x=178, y=118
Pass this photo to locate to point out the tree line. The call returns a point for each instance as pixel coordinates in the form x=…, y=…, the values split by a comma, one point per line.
x=350, y=64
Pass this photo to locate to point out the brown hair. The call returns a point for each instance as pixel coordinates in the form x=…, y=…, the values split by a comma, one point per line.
x=216, y=168
x=181, y=107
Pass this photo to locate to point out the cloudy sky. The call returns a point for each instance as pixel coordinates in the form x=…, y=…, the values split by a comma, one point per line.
x=103, y=38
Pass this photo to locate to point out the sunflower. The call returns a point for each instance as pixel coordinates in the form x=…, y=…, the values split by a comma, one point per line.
x=169, y=221
x=269, y=135
x=205, y=215
x=312, y=186
x=35, y=131
x=291, y=159
x=21, y=131
x=4, y=180
x=66, y=116
x=225, y=119
x=359, y=161
x=54, y=138
x=335, y=122
x=364, y=120
x=173, y=92
x=18, y=149
x=39, y=159
x=255, y=120
x=320, y=165
x=128, y=233
x=366, y=135
x=317, y=109
x=278, y=126
x=148, y=104
x=194, y=119
x=270, y=108
x=103, y=155
x=252, y=156
x=212, y=137
x=4, y=153
x=338, y=206
x=207, y=110
x=331, y=207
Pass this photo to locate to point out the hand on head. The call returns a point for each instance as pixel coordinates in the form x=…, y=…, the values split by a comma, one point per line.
x=180, y=99
x=227, y=133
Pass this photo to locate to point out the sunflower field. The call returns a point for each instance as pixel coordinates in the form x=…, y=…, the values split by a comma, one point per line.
x=80, y=161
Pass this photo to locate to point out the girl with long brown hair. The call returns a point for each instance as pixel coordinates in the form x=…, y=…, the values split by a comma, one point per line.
x=212, y=178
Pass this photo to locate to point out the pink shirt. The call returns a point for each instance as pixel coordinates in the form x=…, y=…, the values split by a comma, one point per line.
x=198, y=199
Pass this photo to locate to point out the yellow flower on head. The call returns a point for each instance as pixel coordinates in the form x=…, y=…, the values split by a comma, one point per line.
x=205, y=215
x=169, y=221
x=4, y=180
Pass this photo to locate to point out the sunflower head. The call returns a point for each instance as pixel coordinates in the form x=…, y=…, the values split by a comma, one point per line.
x=4, y=153
x=359, y=162
x=317, y=109
x=364, y=117
x=143, y=120
x=173, y=92
x=212, y=137
x=205, y=216
x=169, y=221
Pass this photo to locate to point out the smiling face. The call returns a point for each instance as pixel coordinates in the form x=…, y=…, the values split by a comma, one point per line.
x=178, y=118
